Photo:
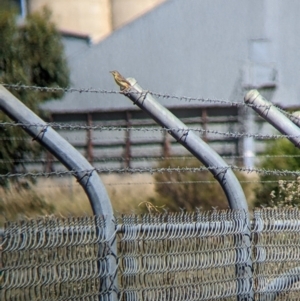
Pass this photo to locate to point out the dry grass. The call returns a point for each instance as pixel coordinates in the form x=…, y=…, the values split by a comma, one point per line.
x=64, y=196
x=127, y=192
x=250, y=188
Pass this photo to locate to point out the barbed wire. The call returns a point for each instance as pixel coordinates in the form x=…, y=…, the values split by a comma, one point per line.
x=63, y=126
x=88, y=172
x=103, y=91
x=159, y=95
x=58, y=89
x=204, y=182
x=145, y=158
x=261, y=156
x=188, y=182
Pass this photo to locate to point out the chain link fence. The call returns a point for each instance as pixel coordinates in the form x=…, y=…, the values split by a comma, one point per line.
x=182, y=256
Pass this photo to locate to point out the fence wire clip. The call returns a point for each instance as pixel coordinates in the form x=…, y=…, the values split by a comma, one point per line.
x=222, y=171
x=125, y=91
x=88, y=174
x=143, y=95
x=185, y=134
x=42, y=132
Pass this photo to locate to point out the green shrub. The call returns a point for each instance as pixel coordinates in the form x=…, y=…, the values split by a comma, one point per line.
x=190, y=190
x=283, y=155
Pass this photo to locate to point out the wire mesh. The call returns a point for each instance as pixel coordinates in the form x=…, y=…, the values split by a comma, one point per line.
x=182, y=256
x=54, y=259
x=276, y=254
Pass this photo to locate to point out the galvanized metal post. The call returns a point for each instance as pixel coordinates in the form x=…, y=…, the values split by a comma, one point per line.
x=218, y=168
x=72, y=160
x=271, y=114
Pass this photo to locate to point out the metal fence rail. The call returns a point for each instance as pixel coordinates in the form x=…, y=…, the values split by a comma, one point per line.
x=182, y=256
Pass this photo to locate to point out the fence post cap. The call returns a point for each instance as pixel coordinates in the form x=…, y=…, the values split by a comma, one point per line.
x=251, y=96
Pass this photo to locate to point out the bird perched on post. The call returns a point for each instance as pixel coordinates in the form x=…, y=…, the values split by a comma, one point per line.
x=120, y=80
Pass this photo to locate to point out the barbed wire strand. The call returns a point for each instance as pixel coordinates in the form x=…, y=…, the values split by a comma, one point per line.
x=88, y=172
x=103, y=91
x=188, y=182
x=148, y=170
x=138, y=129
x=159, y=95
x=146, y=158
x=70, y=186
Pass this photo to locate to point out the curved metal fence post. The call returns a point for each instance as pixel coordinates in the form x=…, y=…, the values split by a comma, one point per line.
x=284, y=125
x=213, y=161
x=271, y=114
x=71, y=159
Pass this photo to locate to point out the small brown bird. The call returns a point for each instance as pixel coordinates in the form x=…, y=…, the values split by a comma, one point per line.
x=120, y=80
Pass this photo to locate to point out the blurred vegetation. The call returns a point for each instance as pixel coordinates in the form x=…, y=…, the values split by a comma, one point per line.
x=278, y=193
x=31, y=53
x=64, y=197
x=205, y=193
x=288, y=194
x=24, y=203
